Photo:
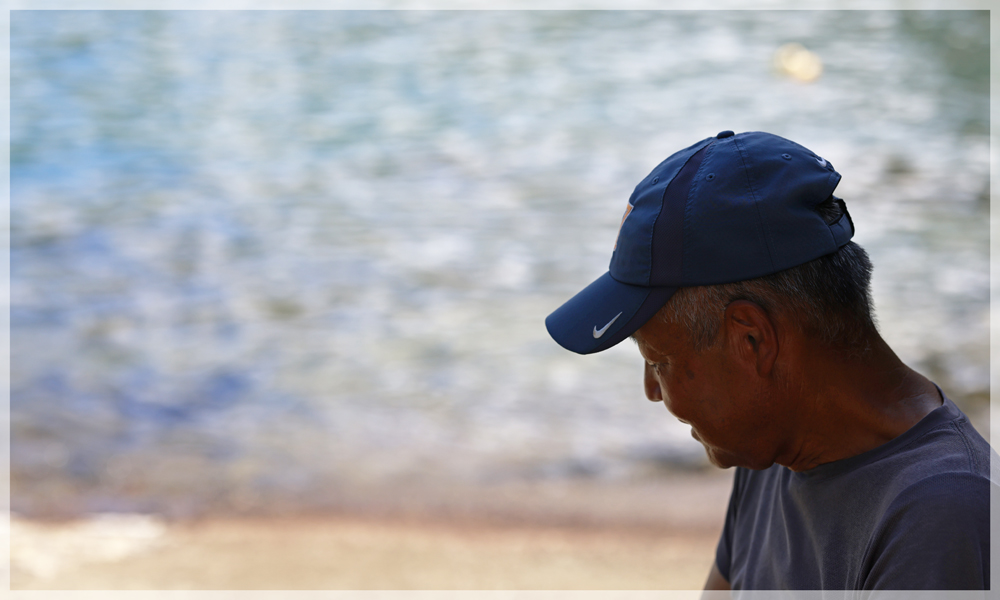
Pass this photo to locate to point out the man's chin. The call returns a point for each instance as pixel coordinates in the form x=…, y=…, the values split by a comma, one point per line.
x=724, y=460
x=715, y=456
x=717, y=460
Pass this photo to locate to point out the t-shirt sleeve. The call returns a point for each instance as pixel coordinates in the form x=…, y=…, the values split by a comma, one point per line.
x=934, y=536
x=723, y=552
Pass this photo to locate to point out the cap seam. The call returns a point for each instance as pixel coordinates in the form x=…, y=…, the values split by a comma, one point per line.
x=663, y=196
x=760, y=219
x=685, y=247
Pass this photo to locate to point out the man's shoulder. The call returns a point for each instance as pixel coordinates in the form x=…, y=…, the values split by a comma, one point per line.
x=951, y=445
x=948, y=471
x=954, y=490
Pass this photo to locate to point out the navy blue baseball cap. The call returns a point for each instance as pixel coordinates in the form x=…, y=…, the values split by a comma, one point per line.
x=729, y=208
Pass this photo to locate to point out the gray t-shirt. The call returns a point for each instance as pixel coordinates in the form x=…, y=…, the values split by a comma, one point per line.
x=910, y=514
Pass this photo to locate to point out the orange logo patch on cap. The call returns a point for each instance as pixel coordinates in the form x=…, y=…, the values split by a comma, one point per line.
x=628, y=211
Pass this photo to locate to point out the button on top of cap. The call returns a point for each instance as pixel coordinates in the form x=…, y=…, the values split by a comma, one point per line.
x=725, y=134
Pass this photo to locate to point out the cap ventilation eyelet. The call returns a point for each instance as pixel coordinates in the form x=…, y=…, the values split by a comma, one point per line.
x=786, y=156
x=710, y=176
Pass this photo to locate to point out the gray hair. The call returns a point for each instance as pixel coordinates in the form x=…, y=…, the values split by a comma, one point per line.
x=830, y=297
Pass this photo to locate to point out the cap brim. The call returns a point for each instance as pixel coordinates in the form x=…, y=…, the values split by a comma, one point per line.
x=604, y=313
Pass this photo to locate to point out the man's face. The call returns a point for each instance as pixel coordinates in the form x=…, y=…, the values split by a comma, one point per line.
x=713, y=391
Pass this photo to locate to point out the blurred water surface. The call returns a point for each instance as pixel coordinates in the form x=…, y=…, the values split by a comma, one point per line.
x=259, y=257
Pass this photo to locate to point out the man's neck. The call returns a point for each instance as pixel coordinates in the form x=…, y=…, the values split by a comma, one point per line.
x=850, y=404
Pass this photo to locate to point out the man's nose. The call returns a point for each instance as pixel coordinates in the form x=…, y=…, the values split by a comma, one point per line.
x=652, y=385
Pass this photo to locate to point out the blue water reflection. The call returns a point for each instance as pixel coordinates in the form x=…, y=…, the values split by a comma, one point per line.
x=287, y=252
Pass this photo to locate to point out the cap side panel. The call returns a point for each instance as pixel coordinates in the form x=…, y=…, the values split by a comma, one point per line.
x=631, y=261
x=668, y=230
x=723, y=239
x=751, y=184
x=789, y=182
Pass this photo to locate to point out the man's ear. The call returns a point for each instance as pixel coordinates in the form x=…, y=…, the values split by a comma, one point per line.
x=752, y=334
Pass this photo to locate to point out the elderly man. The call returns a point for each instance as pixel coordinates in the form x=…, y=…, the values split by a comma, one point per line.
x=735, y=275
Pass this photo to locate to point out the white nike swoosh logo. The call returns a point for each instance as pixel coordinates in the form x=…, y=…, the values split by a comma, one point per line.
x=599, y=332
x=822, y=162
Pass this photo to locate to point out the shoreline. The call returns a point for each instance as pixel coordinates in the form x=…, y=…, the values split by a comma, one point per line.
x=554, y=535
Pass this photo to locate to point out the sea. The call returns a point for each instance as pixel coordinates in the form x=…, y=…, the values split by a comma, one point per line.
x=261, y=257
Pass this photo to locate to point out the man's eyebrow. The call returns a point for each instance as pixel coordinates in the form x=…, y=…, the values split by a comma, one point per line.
x=634, y=339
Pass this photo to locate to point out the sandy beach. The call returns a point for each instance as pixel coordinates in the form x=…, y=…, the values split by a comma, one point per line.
x=569, y=535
